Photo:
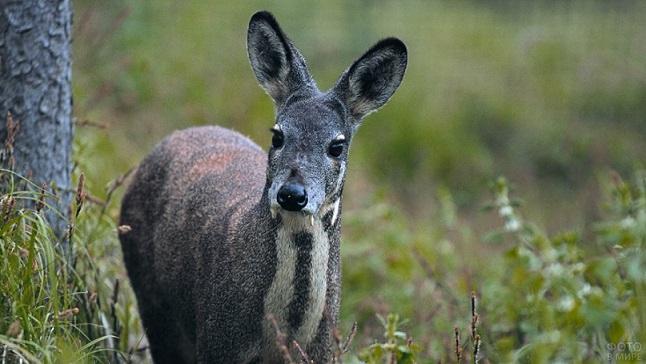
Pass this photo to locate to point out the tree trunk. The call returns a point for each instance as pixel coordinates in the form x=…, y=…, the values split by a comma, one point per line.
x=35, y=86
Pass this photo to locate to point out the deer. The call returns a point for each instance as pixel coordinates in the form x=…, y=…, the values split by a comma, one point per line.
x=222, y=235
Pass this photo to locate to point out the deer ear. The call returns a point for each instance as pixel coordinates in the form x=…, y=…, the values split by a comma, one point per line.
x=370, y=82
x=277, y=64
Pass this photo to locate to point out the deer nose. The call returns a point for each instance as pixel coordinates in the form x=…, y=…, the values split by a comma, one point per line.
x=292, y=197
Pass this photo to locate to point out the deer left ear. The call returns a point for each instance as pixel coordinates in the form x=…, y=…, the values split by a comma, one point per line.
x=370, y=82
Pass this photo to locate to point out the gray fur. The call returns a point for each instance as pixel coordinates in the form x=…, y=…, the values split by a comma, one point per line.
x=212, y=252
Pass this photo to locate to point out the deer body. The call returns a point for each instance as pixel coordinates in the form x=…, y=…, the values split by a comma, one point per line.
x=224, y=234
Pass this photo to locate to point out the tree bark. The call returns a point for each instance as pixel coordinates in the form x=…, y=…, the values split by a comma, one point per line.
x=35, y=86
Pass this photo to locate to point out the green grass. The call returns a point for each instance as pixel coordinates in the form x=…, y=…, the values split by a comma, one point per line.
x=561, y=298
x=550, y=95
x=60, y=308
x=565, y=297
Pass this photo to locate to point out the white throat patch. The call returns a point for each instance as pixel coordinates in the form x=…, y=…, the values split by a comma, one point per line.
x=279, y=297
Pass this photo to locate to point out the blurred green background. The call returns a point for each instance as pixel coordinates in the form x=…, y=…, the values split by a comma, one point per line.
x=550, y=94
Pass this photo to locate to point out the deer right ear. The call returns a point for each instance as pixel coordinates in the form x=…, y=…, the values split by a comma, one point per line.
x=277, y=64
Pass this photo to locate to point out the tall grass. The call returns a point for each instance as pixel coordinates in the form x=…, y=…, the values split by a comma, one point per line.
x=576, y=296
x=59, y=305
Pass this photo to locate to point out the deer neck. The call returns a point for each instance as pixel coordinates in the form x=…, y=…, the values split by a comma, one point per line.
x=297, y=295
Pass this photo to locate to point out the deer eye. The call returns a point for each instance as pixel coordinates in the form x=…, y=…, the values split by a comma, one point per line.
x=278, y=139
x=336, y=148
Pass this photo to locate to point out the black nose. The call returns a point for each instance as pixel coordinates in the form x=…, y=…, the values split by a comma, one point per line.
x=292, y=197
